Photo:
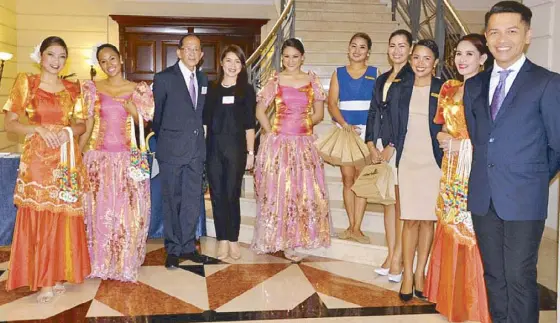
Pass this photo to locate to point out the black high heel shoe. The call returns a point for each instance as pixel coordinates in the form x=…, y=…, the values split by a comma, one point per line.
x=418, y=293
x=406, y=297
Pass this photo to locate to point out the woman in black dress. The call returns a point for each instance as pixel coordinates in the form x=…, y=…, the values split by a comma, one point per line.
x=229, y=114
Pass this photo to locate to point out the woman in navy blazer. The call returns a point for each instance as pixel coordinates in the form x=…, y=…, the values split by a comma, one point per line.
x=385, y=96
x=413, y=137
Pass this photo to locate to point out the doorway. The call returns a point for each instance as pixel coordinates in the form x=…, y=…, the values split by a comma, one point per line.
x=148, y=44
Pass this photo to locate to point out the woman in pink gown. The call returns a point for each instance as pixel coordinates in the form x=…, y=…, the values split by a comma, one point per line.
x=292, y=199
x=117, y=206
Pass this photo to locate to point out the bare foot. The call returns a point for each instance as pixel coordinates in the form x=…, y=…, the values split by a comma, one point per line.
x=360, y=237
x=345, y=234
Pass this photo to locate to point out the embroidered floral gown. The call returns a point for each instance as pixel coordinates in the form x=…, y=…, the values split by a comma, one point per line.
x=117, y=207
x=49, y=243
x=455, y=280
x=292, y=199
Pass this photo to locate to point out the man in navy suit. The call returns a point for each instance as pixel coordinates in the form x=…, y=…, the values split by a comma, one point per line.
x=513, y=118
x=179, y=93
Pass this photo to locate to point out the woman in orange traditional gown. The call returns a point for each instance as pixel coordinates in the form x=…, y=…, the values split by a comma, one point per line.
x=49, y=245
x=455, y=279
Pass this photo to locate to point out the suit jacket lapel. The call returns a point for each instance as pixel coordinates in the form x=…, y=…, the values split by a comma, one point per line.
x=520, y=79
x=378, y=89
x=485, y=92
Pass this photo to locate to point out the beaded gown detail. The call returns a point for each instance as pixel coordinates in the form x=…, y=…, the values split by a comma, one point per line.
x=117, y=207
x=455, y=280
x=49, y=243
x=292, y=198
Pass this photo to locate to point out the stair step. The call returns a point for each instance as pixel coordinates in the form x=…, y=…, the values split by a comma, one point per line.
x=373, y=218
x=331, y=35
x=346, y=1
x=346, y=250
x=324, y=70
x=343, y=6
x=338, y=57
x=307, y=14
x=349, y=26
x=379, y=46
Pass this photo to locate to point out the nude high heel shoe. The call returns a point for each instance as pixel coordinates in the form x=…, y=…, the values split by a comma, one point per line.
x=234, y=251
x=223, y=248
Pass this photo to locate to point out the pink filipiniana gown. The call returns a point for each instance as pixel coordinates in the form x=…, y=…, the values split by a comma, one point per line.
x=117, y=208
x=292, y=199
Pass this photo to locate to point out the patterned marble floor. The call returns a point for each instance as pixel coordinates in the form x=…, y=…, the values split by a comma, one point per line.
x=256, y=288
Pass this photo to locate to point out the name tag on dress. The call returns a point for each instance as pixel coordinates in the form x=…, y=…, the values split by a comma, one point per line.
x=203, y=90
x=228, y=99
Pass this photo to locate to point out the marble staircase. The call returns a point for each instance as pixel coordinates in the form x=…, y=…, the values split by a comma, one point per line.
x=325, y=27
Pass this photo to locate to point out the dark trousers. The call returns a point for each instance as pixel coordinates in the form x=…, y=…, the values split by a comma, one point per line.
x=181, y=187
x=509, y=252
x=226, y=161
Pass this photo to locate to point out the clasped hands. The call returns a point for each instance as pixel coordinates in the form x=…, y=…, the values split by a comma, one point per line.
x=448, y=143
x=378, y=157
x=53, y=135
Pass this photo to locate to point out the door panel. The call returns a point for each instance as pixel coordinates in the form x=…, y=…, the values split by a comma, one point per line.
x=149, y=44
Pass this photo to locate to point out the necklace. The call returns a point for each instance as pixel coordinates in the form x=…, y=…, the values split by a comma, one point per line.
x=228, y=85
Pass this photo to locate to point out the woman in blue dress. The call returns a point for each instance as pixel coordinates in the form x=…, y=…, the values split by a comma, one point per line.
x=350, y=93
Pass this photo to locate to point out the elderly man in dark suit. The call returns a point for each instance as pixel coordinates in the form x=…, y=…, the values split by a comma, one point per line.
x=513, y=117
x=179, y=93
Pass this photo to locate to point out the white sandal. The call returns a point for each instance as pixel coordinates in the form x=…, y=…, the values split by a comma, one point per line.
x=59, y=288
x=45, y=297
x=292, y=255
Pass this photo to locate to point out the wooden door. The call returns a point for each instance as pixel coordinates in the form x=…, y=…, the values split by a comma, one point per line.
x=149, y=44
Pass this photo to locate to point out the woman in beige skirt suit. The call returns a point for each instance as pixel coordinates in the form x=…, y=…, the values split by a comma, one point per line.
x=418, y=162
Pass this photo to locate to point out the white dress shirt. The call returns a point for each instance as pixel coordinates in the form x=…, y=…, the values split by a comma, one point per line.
x=186, y=75
x=495, y=77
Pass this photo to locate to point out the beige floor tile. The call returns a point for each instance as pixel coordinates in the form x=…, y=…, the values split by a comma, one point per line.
x=283, y=291
x=179, y=283
x=333, y=302
x=98, y=309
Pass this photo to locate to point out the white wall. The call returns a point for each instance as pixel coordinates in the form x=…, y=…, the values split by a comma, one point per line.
x=544, y=47
x=472, y=4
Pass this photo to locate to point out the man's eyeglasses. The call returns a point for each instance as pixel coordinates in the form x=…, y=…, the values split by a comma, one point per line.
x=190, y=50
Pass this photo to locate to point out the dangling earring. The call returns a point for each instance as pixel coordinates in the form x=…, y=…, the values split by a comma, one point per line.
x=481, y=68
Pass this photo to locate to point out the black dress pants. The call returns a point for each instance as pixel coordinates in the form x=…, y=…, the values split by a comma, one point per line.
x=226, y=159
x=181, y=187
x=509, y=251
